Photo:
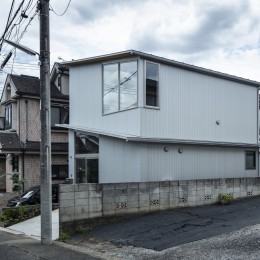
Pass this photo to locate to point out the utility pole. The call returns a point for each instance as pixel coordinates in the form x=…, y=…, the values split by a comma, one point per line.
x=46, y=202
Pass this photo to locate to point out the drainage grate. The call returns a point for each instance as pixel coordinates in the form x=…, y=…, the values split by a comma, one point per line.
x=249, y=193
x=154, y=202
x=183, y=199
x=208, y=197
x=121, y=205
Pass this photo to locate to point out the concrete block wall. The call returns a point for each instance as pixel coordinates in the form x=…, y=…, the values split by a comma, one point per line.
x=88, y=201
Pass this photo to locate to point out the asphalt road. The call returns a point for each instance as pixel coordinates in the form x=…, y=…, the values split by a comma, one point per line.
x=168, y=229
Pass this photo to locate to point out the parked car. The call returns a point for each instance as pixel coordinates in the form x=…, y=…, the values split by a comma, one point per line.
x=32, y=197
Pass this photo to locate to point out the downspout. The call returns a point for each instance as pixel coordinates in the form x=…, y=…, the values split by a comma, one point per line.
x=258, y=129
x=23, y=152
x=26, y=119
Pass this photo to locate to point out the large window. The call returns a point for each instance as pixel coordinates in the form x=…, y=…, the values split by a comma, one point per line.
x=152, y=84
x=59, y=115
x=250, y=160
x=119, y=86
x=59, y=172
x=8, y=117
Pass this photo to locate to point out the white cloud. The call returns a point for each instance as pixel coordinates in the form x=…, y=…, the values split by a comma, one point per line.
x=220, y=35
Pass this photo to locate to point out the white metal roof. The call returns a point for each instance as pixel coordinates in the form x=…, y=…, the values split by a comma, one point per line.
x=133, y=53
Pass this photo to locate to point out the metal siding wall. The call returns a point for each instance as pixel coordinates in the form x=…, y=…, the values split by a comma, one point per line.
x=86, y=104
x=191, y=103
x=194, y=163
x=119, y=161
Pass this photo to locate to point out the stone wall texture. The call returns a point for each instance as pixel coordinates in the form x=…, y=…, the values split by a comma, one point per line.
x=86, y=201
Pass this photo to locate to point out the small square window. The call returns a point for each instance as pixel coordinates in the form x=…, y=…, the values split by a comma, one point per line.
x=250, y=160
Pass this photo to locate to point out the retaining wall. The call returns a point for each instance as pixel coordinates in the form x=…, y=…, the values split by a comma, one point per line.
x=87, y=201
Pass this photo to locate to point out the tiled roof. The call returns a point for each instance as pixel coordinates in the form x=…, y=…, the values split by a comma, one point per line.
x=9, y=141
x=28, y=85
x=32, y=146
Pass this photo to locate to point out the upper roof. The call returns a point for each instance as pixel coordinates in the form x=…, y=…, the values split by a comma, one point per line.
x=28, y=85
x=133, y=53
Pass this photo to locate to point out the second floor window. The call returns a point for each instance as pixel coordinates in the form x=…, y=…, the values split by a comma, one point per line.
x=8, y=117
x=59, y=115
x=152, y=84
x=119, y=86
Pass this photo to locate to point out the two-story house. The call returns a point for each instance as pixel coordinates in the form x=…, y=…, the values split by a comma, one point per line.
x=21, y=128
x=136, y=117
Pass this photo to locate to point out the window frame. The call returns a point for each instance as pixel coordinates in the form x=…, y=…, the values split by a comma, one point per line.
x=118, y=80
x=8, y=109
x=158, y=91
x=59, y=165
x=60, y=115
x=246, y=165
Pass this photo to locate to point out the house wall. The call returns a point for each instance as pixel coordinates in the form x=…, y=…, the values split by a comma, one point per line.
x=59, y=137
x=30, y=123
x=121, y=161
x=191, y=103
x=195, y=162
x=2, y=174
x=86, y=103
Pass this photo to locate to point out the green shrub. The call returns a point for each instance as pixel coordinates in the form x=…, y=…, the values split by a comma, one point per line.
x=226, y=197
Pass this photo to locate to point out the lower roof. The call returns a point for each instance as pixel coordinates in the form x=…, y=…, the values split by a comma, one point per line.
x=135, y=138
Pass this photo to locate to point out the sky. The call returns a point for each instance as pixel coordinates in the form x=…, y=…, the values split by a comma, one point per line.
x=215, y=34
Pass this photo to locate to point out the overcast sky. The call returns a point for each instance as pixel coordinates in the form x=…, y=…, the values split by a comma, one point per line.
x=216, y=34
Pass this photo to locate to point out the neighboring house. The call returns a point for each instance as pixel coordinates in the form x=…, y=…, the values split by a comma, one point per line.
x=21, y=128
x=136, y=117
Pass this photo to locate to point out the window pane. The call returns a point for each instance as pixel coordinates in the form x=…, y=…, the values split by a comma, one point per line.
x=110, y=88
x=86, y=170
x=152, y=84
x=250, y=160
x=86, y=144
x=55, y=116
x=8, y=117
x=92, y=170
x=128, y=85
x=64, y=115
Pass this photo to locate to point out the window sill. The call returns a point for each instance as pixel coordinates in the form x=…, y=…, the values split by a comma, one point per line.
x=151, y=107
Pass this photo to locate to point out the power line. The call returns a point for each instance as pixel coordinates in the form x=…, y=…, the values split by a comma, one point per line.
x=63, y=12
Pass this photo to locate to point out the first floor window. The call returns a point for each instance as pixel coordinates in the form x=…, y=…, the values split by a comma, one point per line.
x=119, y=86
x=59, y=172
x=250, y=160
x=87, y=170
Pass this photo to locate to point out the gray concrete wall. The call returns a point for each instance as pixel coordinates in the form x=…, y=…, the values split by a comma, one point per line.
x=88, y=201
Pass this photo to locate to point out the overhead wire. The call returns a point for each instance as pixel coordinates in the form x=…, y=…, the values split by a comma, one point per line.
x=63, y=12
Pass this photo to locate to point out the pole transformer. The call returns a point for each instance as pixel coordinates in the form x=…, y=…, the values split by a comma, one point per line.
x=45, y=149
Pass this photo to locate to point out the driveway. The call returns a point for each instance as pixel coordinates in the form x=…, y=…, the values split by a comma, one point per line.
x=163, y=230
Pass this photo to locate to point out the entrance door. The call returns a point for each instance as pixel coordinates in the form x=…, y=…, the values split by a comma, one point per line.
x=86, y=170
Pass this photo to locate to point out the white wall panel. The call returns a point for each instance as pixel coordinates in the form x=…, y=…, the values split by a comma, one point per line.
x=119, y=161
x=86, y=104
x=191, y=103
x=193, y=163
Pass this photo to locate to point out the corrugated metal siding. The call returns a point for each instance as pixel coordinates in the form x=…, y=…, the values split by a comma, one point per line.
x=191, y=103
x=86, y=104
x=119, y=161
x=193, y=163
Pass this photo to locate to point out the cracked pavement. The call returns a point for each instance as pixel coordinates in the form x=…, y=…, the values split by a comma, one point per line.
x=167, y=229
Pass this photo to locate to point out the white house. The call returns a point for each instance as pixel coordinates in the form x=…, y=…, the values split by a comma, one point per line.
x=136, y=117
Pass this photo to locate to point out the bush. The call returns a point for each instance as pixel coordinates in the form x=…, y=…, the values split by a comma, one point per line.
x=225, y=198
x=14, y=215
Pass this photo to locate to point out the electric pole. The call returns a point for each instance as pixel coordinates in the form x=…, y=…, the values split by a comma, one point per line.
x=46, y=202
